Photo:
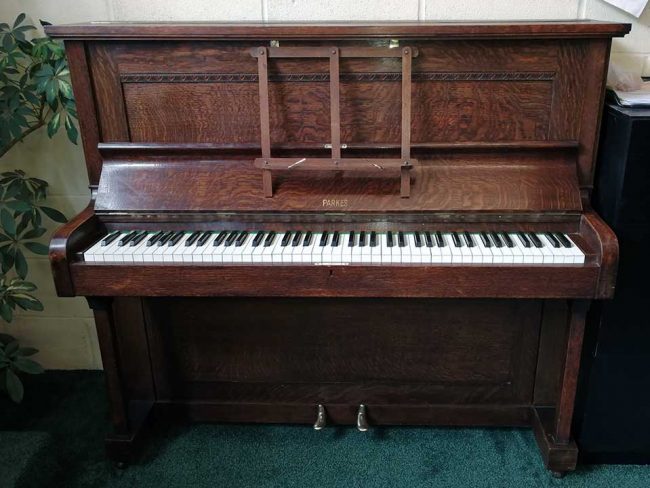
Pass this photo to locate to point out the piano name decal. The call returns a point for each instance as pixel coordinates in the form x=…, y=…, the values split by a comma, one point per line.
x=335, y=203
x=324, y=77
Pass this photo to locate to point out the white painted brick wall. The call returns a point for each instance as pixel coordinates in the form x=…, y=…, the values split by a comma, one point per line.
x=65, y=331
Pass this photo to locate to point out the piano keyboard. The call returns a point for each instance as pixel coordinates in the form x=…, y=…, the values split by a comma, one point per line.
x=335, y=248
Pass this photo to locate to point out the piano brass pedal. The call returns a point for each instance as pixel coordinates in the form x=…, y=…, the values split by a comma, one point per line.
x=362, y=419
x=321, y=418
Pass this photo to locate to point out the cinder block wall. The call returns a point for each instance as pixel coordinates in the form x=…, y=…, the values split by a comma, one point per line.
x=64, y=332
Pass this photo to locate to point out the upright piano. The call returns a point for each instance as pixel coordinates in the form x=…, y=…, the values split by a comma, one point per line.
x=370, y=224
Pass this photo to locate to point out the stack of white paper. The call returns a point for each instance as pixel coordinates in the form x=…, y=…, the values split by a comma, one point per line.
x=633, y=98
x=634, y=7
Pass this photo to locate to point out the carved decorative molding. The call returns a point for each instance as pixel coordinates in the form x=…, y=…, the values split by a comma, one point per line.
x=323, y=77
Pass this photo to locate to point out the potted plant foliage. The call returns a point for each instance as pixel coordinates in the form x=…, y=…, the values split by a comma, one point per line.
x=35, y=93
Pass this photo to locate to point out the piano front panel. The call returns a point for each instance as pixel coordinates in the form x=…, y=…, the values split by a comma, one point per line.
x=348, y=351
x=463, y=92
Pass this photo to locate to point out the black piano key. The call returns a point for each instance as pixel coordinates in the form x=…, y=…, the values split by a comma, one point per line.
x=204, y=238
x=258, y=239
x=496, y=238
x=335, y=238
x=269, y=239
x=428, y=239
x=307, y=240
x=323, y=239
x=401, y=239
x=418, y=239
x=139, y=238
x=564, y=240
x=286, y=238
x=469, y=240
x=362, y=238
x=154, y=238
x=524, y=239
x=194, y=236
x=175, y=239
x=220, y=238
x=554, y=241
x=535, y=240
x=241, y=238
x=456, y=239
x=485, y=237
x=373, y=239
x=230, y=240
x=507, y=239
x=297, y=238
x=389, y=239
x=126, y=238
x=439, y=240
x=351, y=239
x=110, y=238
x=165, y=238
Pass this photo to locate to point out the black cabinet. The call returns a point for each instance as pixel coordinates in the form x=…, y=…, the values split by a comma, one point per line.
x=613, y=409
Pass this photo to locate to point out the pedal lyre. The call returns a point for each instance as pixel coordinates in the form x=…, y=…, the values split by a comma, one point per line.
x=321, y=418
x=362, y=419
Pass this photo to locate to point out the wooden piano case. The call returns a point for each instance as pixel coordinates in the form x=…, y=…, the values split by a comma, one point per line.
x=502, y=128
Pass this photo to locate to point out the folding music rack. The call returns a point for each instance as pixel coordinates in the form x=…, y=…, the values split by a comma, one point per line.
x=336, y=163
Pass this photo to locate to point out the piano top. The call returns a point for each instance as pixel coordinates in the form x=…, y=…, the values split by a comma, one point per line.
x=339, y=30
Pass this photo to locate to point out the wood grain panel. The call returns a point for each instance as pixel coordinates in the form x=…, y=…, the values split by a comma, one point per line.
x=199, y=112
x=370, y=112
x=112, y=120
x=428, y=348
x=85, y=100
x=452, y=184
x=451, y=281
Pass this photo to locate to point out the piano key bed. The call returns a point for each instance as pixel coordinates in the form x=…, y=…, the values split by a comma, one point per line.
x=335, y=248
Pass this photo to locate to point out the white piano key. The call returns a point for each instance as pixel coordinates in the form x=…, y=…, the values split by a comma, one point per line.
x=546, y=250
x=559, y=254
x=517, y=251
x=576, y=252
x=93, y=251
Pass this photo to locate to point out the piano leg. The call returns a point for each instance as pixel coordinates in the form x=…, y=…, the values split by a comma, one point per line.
x=130, y=399
x=552, y=426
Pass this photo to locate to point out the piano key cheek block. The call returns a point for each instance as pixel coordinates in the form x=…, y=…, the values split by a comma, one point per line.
x=339, y=224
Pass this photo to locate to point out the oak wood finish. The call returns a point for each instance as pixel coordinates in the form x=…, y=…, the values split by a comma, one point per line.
x=501, y=119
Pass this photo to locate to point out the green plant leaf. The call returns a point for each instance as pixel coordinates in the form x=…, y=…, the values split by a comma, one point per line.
x=54, y=214
x=5, y=311
x=28, y=366
x=15, y=388
x=37, y=247
x=54, y=124
x=65, y=88
x=19, y=19
x=8, y=223
x=71, y=130
x=21, y=264
x=27, y=351
x=19, y=206
x=8, y=43
x=27, y=302
x=12, y=348
x=34, y=233
x=20, y=285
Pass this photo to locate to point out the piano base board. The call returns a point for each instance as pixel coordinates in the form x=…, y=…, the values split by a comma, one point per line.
x=558, y=458
x=445, y=362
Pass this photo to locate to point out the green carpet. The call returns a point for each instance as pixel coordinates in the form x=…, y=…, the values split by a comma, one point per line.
x=55, y=439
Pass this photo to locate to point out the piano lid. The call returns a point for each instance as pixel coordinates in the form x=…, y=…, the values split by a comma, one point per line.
x=338, y=30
